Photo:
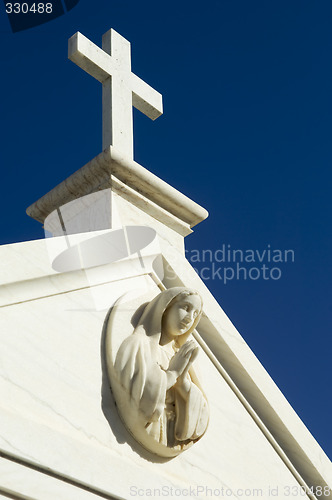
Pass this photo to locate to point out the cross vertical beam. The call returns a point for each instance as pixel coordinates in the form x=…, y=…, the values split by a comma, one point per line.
x=117, y=96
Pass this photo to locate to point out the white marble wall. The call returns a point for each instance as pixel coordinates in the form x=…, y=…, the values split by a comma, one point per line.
x=57, y=412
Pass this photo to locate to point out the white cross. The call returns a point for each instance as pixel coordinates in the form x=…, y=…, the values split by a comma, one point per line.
x=111, y=65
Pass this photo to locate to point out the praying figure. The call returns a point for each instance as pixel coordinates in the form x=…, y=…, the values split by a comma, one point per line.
x=154, y=368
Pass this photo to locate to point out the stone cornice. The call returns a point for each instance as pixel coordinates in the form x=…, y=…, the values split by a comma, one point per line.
x=97, y=175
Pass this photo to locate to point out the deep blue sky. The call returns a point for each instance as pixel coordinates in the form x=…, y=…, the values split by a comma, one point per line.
x=246, y=132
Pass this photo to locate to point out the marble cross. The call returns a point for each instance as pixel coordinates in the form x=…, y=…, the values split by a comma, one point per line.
x=122, y=89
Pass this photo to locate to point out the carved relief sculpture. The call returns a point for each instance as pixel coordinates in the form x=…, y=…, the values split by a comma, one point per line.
x=151, y=373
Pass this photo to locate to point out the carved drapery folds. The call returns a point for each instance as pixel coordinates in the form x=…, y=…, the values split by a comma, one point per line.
x=151, y=372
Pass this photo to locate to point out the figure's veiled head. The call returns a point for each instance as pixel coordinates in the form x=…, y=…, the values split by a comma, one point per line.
x=181, y=317
x=167, y=311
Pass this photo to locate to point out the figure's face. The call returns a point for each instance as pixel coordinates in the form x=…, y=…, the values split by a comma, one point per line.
x=181, y=315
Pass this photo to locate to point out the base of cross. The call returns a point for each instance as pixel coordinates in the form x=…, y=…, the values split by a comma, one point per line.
x=112, y=186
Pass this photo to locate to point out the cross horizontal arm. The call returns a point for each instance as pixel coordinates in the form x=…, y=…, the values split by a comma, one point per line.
x=145, y=98
x=90, y=57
